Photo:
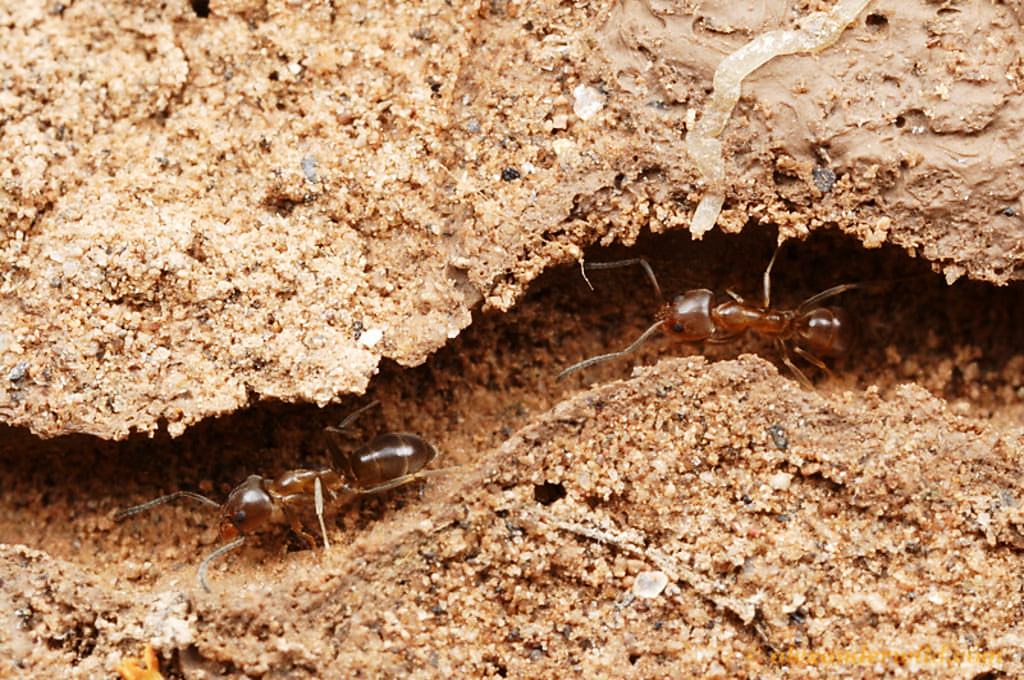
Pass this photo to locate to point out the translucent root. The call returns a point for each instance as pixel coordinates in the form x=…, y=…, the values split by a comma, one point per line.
x=815, y=32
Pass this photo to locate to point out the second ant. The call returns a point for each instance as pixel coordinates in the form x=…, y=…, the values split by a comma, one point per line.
x=811, y=331
x=385, y=462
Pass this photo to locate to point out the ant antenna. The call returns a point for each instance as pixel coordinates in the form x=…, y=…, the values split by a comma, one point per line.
x=216, y=553
x=136, y=509
x=623, y=263
x=586, y=363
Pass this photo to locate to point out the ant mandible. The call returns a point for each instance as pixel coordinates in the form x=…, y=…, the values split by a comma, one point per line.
x=811, y=330
x=385, y=462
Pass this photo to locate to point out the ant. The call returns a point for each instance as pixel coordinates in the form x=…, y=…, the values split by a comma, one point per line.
x=385, y=462
x=811, y=330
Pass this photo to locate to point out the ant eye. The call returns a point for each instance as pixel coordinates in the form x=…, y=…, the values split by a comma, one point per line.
x=239, y=517
x=677, y=327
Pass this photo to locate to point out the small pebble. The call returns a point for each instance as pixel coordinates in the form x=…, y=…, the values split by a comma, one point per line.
x=588, y=102
x=18, y=372
x=309, y=168
x=649, y=584
x=371, y=337
x=824, y=178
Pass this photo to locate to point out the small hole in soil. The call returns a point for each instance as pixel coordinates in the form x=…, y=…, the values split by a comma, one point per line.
x=201, y=8
x=782, y=179
x=876, y=21
x=547, y=493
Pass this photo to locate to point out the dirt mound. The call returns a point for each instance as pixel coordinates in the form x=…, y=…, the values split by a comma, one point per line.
x=705, y=519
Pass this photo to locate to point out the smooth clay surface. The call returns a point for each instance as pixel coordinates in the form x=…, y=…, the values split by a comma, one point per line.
x=211, y=203
x=280, y=206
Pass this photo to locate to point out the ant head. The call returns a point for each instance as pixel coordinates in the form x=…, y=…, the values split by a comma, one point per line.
x=248, y=507
x=688, y=316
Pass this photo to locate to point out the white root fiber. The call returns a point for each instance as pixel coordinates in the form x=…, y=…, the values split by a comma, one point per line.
x=814, y=33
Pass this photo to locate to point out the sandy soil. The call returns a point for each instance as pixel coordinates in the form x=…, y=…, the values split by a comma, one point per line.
x=267, y=206
x=869, y=515
x=265, y=201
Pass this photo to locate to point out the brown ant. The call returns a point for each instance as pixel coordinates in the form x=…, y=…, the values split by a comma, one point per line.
x=385, y=462
x=811, y=330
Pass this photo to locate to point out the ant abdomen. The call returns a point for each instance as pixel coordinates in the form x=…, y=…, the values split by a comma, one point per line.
x=386, y=459
x=826, y=331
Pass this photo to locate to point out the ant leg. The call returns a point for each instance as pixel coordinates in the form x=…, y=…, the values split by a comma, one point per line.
x=292, y=505
x=830, y=292
x=135, y=509
x=400, y=481
x=723, y=338
x=318, y=503
x=810, y=358
x=767, y=283
x=800, y=375
x=215, y=554
x=300, y=531
x=614, y=355
x=351, y=418
x=735, y=296
x=623, y=263
x=739, y=298
x=768, y=279
x=341, y=428
x=583, y=273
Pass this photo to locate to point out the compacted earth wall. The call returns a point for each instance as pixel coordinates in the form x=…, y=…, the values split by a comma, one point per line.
x=225, y=226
